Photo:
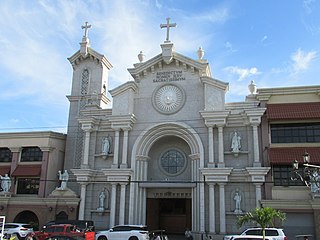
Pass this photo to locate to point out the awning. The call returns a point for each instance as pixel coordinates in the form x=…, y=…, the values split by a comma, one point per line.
x=27, y=170
x=293, y=111
x=4, y=170
x=286, y=156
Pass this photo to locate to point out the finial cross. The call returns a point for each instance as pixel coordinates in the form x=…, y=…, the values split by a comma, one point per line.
x=168, y=25
x=86, y=27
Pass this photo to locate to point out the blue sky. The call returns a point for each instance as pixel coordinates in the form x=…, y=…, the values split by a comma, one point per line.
x=276, y=43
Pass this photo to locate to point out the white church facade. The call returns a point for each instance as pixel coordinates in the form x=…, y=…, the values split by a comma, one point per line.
x=171, y=153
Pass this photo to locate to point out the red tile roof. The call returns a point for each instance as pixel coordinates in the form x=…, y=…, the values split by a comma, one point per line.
x=27, y=170
x=287, y=155
x=293, y=111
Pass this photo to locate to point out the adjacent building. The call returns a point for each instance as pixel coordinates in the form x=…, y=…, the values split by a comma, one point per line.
x=290, y=129
x=29, y=163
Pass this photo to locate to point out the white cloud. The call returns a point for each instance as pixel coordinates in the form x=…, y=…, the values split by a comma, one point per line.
x=301, y=60
x=265, y=37
x=229, y=47
x=243, y=73
x=307, y=4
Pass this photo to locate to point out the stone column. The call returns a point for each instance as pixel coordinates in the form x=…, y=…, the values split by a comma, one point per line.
x=144, y=193
x=124, y=149
x=222, y=208
x=82, y=200
x=44, y=171
x=15, y=157
x=211, y=147
x=221, y=149
x=258, y=194
x=87, y=128
x=212, y=222
x=116, y=149
x=122, y=203
x=256, y=155
x=16, y=151
x=113, y=204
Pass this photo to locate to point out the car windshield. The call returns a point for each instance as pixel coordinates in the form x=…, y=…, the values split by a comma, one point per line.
x=258, y=232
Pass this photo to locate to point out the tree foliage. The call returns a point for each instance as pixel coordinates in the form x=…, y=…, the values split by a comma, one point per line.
x=264, y=217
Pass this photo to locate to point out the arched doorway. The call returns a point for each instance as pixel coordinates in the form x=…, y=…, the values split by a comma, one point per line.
x=28, y=217
x=167, y=156
x=170, y=214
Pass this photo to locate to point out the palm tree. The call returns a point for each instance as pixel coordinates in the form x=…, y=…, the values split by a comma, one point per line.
x=262, y=216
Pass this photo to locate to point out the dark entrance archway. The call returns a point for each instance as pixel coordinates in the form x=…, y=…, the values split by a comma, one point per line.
x=28, y=217
x=170, y=214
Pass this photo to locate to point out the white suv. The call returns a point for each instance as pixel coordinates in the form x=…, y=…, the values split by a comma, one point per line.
x=21, y=230
x=275, y=233
x=124, y=232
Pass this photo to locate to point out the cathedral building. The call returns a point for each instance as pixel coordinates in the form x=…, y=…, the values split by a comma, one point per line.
x=171, y=153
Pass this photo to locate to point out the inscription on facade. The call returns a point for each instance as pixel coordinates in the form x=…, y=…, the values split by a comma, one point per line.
x=169, y=76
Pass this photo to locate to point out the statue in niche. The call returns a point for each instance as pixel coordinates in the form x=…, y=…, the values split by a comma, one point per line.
x=5, y=183
x=102, y=197
x=237, y=199
x=106, y=145
x=103, y=200
x=236, y=143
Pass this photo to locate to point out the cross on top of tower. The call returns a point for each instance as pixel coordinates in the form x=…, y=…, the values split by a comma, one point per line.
x=86, y=27
x=168, y=25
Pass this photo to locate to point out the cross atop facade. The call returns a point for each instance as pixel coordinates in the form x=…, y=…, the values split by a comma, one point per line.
x=86, y=27
x=168, y=25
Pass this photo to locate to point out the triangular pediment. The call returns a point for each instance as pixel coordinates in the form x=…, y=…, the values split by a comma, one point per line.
x=157, y=63
x=78, y=57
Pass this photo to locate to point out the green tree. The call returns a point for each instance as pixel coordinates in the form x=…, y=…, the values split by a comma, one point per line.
x=264, y=217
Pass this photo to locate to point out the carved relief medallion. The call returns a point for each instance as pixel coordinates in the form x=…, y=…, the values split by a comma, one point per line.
x=168, y=99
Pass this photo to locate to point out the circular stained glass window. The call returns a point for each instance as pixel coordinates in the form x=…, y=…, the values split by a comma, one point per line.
x=173, y=162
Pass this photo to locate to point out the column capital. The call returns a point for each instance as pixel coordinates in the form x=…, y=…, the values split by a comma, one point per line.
x=258, y=173
x=46, y=149
x=254, y=115
x=124, y=122
x=195, y=156
x=15, y=149
x=88, y=124
x=215, y=118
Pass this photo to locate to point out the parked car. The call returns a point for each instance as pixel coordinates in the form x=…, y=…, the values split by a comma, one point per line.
x=276, y=233
x=84, y=225
x=68, y=230
x=21, y=230
x=124, y=232
x=64, y=237
x=251, y=238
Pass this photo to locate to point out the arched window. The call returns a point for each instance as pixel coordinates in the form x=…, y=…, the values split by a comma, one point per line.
x=5, y=155
x=85, y=82
x=31, y=154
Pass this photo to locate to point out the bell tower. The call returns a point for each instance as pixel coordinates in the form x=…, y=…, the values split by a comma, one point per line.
x=88, y=91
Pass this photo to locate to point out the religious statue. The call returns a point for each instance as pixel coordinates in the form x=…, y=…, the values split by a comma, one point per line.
x=236, y=143
x=64, y=177
x=106, y=145
x=102, y=197
x=5, y=183
x=237, y=199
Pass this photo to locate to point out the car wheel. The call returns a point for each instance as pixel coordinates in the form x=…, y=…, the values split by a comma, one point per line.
x=133, y=238
x=102, y=238
x=16, y=236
